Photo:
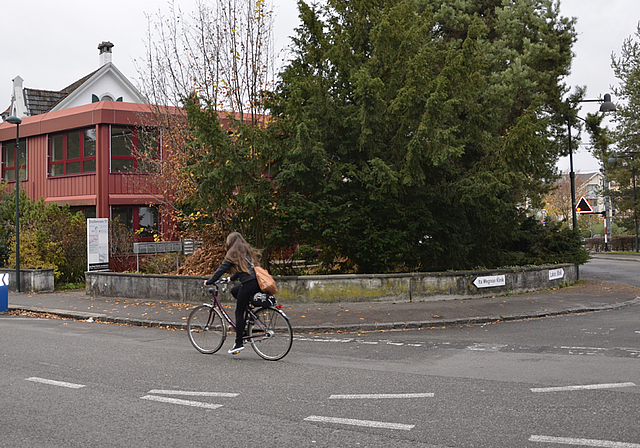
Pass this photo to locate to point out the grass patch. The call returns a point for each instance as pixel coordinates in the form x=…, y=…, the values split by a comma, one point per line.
x=69, y=286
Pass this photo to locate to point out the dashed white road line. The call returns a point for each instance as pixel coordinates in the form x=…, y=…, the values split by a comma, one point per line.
x=376, y=396
x=585, y=387
x=197, y=404
x=583, y=442
x=55, y=383
x=193, y=394
x=302, y=338
x=354, y=422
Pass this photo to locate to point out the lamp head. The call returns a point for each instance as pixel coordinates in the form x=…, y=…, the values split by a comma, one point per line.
x=607, y=105
x=13, y=120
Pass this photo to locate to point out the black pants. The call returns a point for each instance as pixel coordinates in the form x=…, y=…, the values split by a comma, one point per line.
x=243, y=293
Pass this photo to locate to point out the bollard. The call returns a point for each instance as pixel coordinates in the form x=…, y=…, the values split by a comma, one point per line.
x=4, y=292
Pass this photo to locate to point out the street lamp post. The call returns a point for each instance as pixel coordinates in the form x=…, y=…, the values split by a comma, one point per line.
x=635, y=204
x=17, y=121
x=608, y=206
x=605, y=106
x=630, y=155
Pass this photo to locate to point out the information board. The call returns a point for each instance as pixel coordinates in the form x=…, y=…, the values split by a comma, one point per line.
x=97, y=244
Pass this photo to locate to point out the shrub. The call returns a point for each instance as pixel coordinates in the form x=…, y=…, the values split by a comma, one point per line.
x=50, y=237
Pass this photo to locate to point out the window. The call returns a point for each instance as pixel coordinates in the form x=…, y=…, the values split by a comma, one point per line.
x=9, y=160
x=592, y=190
x=133, y=149
x=72, y=153
x=87, y=211
x=143, y=220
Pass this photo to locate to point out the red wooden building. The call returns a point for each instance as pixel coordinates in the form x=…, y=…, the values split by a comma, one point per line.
x=78, y=145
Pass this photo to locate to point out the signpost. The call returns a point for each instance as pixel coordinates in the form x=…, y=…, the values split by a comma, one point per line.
x=490, y=281
x=97, y=244
x=583, y=206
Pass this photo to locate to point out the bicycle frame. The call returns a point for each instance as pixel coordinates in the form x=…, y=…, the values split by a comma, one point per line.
x=248, y=314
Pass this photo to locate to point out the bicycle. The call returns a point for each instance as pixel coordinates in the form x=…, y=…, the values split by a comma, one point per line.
x=268, y=328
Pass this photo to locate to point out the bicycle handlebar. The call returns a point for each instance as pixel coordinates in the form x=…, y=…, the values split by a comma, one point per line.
x=216, y=284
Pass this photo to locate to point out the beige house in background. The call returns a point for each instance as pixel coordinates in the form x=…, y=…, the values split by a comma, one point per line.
x=558, y=202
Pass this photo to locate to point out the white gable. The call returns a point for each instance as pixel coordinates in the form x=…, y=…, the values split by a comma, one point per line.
x=108, y=82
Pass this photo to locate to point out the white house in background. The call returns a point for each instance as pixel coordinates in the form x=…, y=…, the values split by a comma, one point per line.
x=78, y=147
x=106, y=83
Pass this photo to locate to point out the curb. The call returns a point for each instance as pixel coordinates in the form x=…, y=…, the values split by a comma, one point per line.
x=346, y=328
x=463, y=321
x=601, y=256
x=98, y=317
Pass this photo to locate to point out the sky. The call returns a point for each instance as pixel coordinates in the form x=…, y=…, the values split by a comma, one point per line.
x=51, y=44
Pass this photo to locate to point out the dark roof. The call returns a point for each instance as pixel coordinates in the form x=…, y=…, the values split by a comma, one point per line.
x=42, y=101
x=70, y=88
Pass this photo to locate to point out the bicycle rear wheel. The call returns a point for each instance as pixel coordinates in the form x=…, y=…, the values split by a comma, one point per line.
x=206, y=329
x=271, y=336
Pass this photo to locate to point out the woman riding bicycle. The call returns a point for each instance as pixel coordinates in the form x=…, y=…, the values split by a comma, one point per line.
x=240, y=257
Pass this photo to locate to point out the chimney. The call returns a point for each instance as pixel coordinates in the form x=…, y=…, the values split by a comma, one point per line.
x=105, y=52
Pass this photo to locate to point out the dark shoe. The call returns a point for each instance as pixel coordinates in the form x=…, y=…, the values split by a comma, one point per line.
x=236, y=349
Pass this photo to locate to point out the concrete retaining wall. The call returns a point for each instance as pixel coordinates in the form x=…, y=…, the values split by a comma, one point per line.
x=342, y=288
x=31, y=280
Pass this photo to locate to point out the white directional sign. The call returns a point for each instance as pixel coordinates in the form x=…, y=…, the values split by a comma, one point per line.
x=490, y=281
x=555, y=274
x=4, y=279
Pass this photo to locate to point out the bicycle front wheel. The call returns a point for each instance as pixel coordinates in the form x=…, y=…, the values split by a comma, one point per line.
x=271, y=335
x=206, y=329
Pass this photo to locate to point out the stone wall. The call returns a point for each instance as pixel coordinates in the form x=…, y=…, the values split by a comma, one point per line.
x=342, y=288
x=31, y=280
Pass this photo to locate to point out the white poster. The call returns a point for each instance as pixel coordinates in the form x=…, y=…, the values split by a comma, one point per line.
x=97, y=244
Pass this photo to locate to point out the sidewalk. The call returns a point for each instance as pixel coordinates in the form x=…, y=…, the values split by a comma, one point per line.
x=588, y=295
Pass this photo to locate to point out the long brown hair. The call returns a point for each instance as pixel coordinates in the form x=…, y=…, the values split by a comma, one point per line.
x=238, y=250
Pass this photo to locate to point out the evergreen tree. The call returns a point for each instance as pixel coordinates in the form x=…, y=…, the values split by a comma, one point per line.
x=627, y=133
x=417, y=134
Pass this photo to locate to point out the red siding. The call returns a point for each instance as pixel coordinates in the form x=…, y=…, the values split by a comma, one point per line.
x=101, y=189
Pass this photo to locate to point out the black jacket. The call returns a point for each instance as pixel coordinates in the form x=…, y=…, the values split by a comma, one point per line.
x=226, y=267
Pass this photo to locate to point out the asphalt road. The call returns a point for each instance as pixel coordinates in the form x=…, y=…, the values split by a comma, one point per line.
x=69, y=383
x=612, y=270
x=551, y=382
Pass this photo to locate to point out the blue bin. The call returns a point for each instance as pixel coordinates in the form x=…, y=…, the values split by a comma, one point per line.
x=4, y=292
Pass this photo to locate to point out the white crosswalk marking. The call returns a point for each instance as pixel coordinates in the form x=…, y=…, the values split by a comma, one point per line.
x=193, y=394
x=55, y=383
x=585, y=387
x=379, y=396
x=583, y=442
x=354, y=422
x=197, y=404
